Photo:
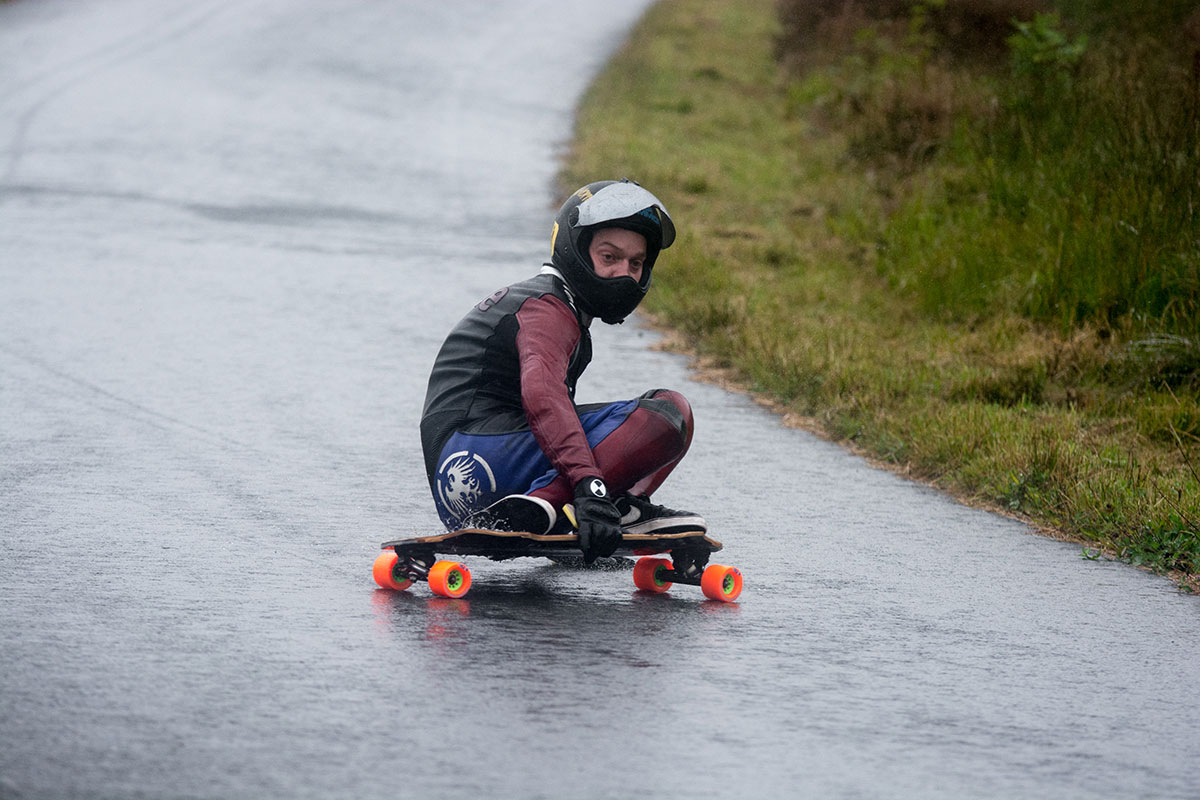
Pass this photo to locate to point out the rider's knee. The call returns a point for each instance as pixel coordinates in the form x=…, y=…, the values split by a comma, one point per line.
x=671, y=406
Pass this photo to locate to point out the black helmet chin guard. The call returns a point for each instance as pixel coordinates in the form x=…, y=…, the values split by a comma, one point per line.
x=608, y=204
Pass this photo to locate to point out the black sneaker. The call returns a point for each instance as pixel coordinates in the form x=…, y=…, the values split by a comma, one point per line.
x=517, y=513
x=639, y=515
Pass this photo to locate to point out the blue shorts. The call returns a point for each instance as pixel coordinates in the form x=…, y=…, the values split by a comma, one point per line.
x=476, y=469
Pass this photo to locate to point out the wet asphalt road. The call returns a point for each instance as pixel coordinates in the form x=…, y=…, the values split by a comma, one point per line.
x=232, y=236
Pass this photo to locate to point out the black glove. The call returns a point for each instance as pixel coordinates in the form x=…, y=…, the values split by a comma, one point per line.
x=597, y=518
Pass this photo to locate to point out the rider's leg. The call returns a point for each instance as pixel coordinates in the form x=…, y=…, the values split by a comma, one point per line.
x=648, y=484
x=639, y=453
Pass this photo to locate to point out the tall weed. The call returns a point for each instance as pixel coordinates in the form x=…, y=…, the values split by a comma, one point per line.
x=1082, y=201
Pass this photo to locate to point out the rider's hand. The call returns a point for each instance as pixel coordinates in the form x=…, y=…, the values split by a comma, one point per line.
x=597, y=518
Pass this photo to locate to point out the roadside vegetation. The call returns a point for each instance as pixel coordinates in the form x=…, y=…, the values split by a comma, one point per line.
x=962, y=236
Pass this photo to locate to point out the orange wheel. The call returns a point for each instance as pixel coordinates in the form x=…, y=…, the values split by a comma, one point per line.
x=449, y=579
x=646, y=574
x=721, y=583
x=385, y=572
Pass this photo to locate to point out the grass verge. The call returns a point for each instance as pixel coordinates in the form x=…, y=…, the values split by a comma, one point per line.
x=780, y=280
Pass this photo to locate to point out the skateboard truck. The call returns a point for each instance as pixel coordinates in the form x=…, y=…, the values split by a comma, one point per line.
x=394, y=570
x=415, y=565
x=687, y=567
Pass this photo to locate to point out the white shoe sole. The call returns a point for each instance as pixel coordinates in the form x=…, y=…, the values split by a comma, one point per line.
x=665, y=525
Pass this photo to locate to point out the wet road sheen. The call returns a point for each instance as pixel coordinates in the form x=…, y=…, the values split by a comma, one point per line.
x=232, y=236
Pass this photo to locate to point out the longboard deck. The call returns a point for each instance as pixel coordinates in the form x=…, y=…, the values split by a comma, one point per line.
x=404, y=561
x=515, y=544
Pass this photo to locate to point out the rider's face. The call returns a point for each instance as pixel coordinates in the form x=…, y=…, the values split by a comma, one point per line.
x=617, y=253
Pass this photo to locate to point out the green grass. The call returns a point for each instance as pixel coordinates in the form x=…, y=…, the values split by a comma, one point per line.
x=849, y=249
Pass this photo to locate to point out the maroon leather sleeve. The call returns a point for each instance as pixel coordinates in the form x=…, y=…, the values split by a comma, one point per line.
x=547, y=337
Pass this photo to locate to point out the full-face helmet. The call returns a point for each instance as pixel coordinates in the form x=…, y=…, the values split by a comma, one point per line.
x=608, y=204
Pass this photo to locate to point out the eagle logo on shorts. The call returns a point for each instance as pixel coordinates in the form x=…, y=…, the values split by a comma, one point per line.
x=462, y=480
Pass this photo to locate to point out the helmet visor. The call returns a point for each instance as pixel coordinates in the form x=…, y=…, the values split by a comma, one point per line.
x=621, y=200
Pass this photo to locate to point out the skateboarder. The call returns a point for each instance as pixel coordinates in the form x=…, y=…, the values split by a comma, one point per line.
x=505, y=444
